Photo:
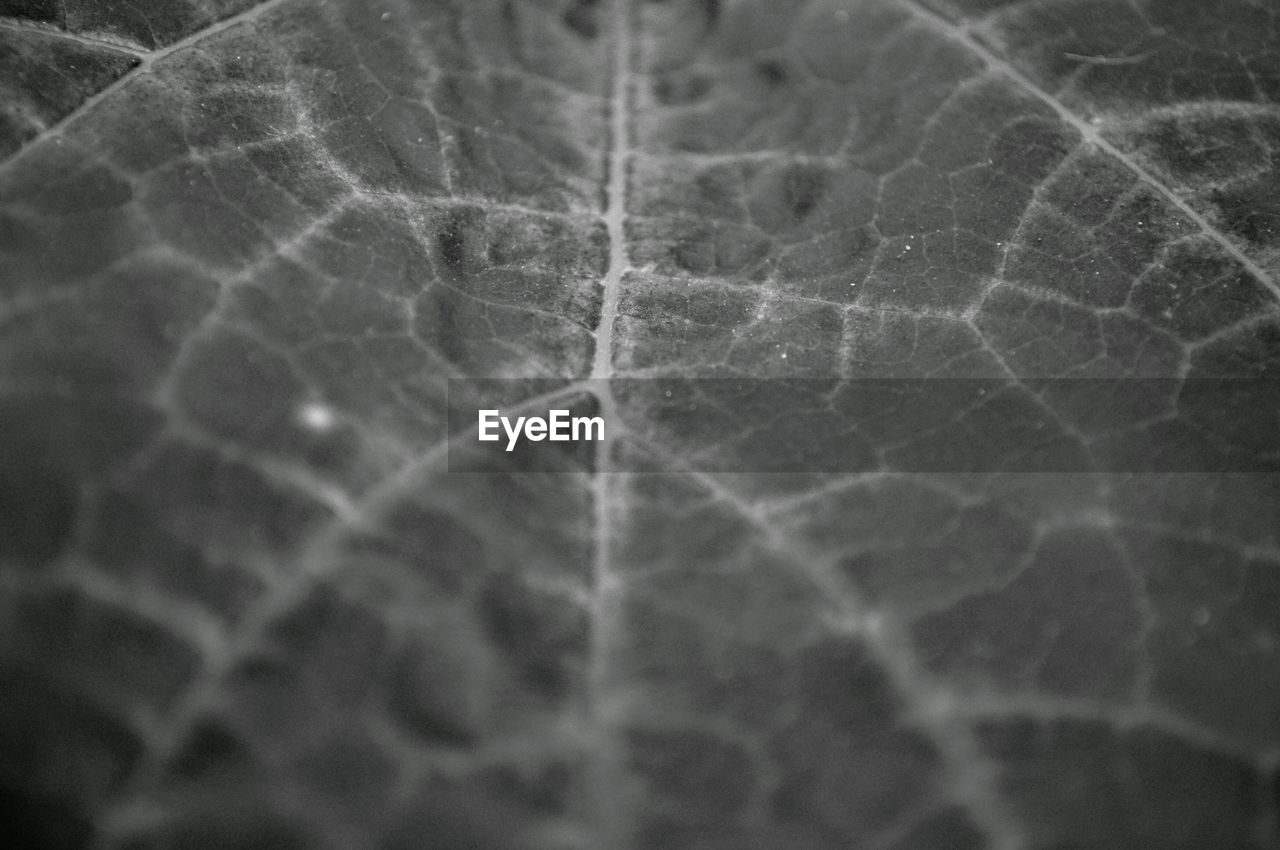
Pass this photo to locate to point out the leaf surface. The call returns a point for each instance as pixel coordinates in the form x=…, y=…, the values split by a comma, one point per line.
x=245, y=247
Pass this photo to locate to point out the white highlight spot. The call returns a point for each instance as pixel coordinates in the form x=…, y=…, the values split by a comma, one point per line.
x=317, y=417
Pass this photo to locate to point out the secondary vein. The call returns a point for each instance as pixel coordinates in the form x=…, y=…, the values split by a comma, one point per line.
x=93, y=42
x=148, y=62
x=1087, y=131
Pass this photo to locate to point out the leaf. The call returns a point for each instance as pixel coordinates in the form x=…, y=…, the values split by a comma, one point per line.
x=245, y=248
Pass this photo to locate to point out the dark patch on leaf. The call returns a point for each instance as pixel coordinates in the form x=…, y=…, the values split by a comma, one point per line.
x=429, y=695
x=773, y=71
x=1070, y=602
x=33, y=10
x=543, y=639
x=710, y=777
x=582, y=18
x=246, y=829
x=454, y=240
x=211, y=748
x=546, y=787
x=678, y=88
x=840, y=682
x=32, y=821
x=55, y=743
x=1087, y=784
x=1252, y=212
x=37, y=515
x=454, y=815
x=951, y=829
x=804, y=190
x=1213, y=148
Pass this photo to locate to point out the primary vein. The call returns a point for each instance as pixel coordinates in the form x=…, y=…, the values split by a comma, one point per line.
x=604, y=613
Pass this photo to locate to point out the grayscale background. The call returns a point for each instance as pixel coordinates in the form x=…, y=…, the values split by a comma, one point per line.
x=246, y=246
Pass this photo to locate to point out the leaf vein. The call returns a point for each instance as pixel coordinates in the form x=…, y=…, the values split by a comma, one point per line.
x=1087, y=131
x=148, y=62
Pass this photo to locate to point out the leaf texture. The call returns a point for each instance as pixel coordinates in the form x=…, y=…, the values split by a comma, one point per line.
x=245, y=247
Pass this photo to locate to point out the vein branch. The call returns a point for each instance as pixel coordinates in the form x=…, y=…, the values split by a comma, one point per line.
x=147, y=63
x=317, y=560
x=1089, y=132
x=932, y=705
x=90, y=41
